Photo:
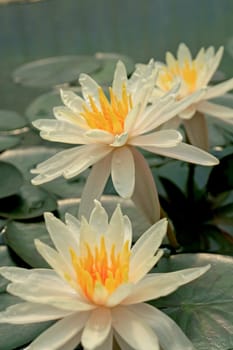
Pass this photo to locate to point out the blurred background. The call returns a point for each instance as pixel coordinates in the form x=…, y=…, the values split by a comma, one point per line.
x=32, y=30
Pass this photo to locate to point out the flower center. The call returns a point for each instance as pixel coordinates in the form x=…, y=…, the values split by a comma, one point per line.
x=110, y=114
x=188, y=72
x=100, y=269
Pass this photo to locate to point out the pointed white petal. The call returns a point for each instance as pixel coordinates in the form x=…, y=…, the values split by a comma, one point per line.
x=63, y=239
x=27, y=312
x=120, y=78
x=215, y=61
x=99, y=218
x=120, y=140
x=216, y=110
x=188, y=112
x=60, y=333
x=72, y=101
x=89, y=88
x=183, y=54
x=163, y=138
x=119, y=294
x=18, y=274
x=145, y=248
x=94, y=186
x=86, y=158
x=99, y=136
x=145, y=195
x=197, y=131
x=154, y=286
x=73, y=225
x=65, y=114
x=116, y=231
x=169, y=334
x=97, y=328
x=170, y=59
x=133, y=331
x=187, y=153
x=108, y=343
x=219, y=89
x=123, y=171
x=128, y=233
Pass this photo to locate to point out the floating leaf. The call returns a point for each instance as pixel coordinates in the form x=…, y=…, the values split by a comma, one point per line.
x=52, y=71
x=20, y=238
x=5, y=260
x=8, y=141
x=203, y=308
x=30, y=202
x=10, y=120
x=10, y=179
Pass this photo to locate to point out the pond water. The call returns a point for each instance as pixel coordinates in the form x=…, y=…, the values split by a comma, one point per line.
x=141, y=30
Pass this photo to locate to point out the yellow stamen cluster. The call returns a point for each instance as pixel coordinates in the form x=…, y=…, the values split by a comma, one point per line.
x=110, y=114
x=188, y=72
x=100, y=268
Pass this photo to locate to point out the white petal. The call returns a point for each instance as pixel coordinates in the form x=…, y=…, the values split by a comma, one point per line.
x=170, y=59
x=49, y=294
x=73, y=225
x=183, y=54
x=187, y=153
x=53, y=258
x=14, y=273
x=123, y=171
x=163, y=138
x=120, y=78
x=219, y=89
x=146, y=247
x=94, y=186
x=128, y=233
x=154, y=286
x=107, y=344
x=119, y=294
x=116, y=230
x=215, y=61
x=86, y=158
x=188, y=112
x=133, y=331
x=216, y=110
x=145, y=195
x=89, y=88
x=31, y=313
x=99, y=136
x=99, y=218
x=120, y=140
x=197, y=131
x=96, y=329
x=170, y=335
x=72, y=101
x=60, y=333
x=72, y=343
x=65, y=114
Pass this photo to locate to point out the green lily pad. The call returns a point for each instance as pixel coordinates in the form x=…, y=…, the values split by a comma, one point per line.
x=13, y=336
x=10, y=120
x=30, y=202
x=52, y=71
x=9, y=141
x=203, y=308
x=27, y=158
x=20, y=238
x=10, y=179
x=42, y=106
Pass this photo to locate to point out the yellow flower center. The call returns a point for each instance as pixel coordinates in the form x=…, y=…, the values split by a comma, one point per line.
x=188, y=72
x=98, y=268
x=110, y=114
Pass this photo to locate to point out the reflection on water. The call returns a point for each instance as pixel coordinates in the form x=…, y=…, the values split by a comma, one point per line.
x=17, y=1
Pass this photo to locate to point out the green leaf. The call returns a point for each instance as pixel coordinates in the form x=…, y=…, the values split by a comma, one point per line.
x=20, y=238
x=13, y=336
x=10, y=179
x=30, y=202
x=52, y=71
x=8, y=141
x=203, y=308
x=10, y=120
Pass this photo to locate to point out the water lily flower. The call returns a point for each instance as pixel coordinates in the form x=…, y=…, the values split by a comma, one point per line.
x=195, y=74
x=98, y=286
x=106, y=133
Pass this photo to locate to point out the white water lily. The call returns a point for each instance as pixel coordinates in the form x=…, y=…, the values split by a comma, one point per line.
x=109, y=130
x=195, y=74
x=98, y=286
